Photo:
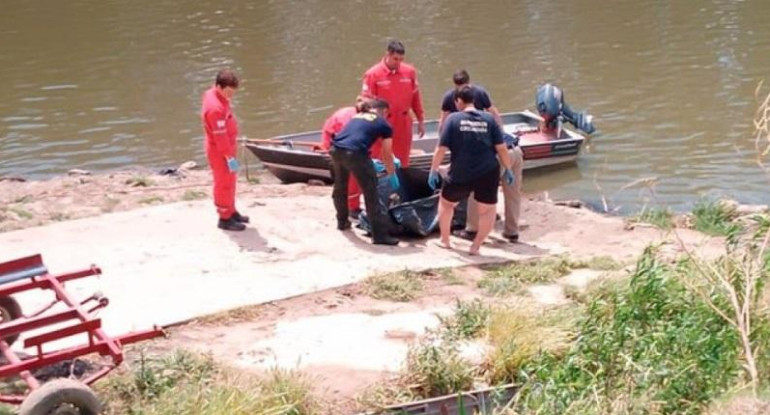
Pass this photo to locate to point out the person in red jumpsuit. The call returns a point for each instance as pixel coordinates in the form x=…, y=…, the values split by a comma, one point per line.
x=332, y=127
x=221, y=129
x=395, y=81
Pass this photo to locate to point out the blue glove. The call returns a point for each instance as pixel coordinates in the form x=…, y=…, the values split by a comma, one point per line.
x=509, y=177
x=232, y=164
x=379, y=166
x=433, y=179
x=394, y=182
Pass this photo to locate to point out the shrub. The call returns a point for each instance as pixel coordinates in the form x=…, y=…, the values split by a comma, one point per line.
x=654, y=347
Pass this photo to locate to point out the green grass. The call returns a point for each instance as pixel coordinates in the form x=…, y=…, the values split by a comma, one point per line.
x=599, y=263
x=194, y=195
x=661, y=218
x=714, y=218
x=140, y=181
x=509, y=279
x=21, y=212
x=186, y=383
x=651, y=347
x=469, y=320
x=449, y=276
x=435, y=368
x=400, y=286
x=151, y=200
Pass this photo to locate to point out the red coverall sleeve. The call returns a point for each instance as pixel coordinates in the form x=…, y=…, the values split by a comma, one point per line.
x=369, y=87
x=327, y=133
x=216, y=123
x=417, y=100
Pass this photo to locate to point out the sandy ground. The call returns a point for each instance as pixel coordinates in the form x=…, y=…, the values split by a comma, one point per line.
x=165, y=262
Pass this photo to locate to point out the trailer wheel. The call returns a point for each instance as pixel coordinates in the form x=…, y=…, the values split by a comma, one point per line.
x=9, y=310
x=61, y=397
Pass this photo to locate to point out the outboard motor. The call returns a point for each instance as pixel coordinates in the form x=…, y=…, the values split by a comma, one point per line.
x=551, y=106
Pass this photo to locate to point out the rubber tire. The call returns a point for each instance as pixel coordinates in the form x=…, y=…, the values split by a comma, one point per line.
x=45, y=399
x=11, y=308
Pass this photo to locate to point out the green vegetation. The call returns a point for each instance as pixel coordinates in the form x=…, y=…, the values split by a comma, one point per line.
x=23, y=199
x=185, y=383
x=140, y=181
x=151, y=200
x=512, y=278
x=469, y=320
x=21, y=212
x=661, y=218
x=435, y=367
x=194, y=195
x=59, y=216
x=652, y=347
x=715, y=218
x=449, y=276
x=395, y=286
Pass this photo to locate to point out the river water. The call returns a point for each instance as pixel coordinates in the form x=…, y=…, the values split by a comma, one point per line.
x=104, y=84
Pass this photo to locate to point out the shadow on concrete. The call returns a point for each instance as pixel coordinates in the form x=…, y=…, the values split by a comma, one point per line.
x=250, y=240
x=365, y=243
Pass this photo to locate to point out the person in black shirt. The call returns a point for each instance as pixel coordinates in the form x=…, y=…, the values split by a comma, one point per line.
x=481, y=99
x=350, y=154
x=475, y=141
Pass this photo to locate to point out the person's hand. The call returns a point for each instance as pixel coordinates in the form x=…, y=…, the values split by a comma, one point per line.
x=509, y=177
x=421, y=128
x=232, y=164
x=433, y=179
x=394, y=182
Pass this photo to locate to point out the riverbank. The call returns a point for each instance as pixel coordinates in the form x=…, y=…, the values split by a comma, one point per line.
x=298, y=286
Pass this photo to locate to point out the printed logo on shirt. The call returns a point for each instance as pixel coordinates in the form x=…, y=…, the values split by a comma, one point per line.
x=368, y=116
x=383, y=82
x=474, y=126
x=221, y=123
x=406, y=80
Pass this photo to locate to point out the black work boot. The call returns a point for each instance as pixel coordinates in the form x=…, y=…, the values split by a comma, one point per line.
x=344, y=225
x=385, y=240
x=231, y=224
x=240, y=218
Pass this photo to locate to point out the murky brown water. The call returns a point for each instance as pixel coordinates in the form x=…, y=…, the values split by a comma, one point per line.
x=100, y=84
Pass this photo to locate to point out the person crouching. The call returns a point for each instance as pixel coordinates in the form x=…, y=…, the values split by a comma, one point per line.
x=475, y=141
x=350, y=154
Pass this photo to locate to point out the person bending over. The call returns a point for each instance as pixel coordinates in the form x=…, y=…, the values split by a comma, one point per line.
x=350, y=154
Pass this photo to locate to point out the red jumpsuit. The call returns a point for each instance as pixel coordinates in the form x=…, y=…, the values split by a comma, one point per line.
x=332, y=127
x=221, y=130
x=400, y=88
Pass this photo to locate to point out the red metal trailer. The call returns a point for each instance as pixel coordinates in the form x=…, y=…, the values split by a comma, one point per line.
x=64, y=395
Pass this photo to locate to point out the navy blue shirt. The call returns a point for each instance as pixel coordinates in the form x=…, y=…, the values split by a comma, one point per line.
x=471, y=136
x=361, y=132
x=481, y=99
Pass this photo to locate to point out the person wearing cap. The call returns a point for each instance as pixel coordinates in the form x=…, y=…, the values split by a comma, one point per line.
x=221, y=129
x=350, y=155
x=475, y=142
x=395, y=81
x=332, y=126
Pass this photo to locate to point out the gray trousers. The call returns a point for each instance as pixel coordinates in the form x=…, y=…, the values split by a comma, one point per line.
x=511, y=198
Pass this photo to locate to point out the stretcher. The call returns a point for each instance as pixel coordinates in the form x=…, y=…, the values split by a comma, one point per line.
x=76, y=318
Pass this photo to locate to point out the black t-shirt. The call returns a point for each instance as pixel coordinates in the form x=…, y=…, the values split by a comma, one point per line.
x=481, y=100
x=471, y=136
x=361, y=132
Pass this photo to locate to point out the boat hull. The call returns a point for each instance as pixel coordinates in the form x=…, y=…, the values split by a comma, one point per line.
x=293, y=163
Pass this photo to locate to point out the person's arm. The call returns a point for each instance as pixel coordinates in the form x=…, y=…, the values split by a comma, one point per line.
x=417, y=107
x=438, y=157
x=369, y=87
x=496, y=114
x=327, y=133
x=441, y=119
x=387, y=155
x=216, y=122
x=502, y=154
